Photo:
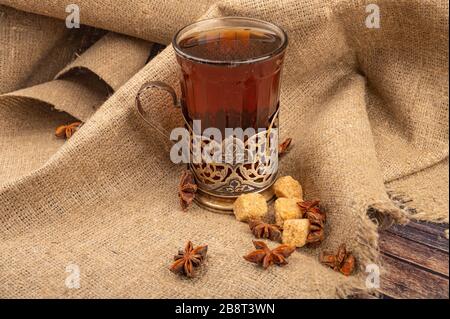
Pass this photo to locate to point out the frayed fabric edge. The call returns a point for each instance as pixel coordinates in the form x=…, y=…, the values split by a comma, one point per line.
x=406, y=204
x=378, y=216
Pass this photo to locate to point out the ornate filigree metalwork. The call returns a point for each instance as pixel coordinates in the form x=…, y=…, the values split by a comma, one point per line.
x=242, y=167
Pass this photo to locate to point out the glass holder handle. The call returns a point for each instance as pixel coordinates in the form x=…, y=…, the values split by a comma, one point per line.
x=154, y=85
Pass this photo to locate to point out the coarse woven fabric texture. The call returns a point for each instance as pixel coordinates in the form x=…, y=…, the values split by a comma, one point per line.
x=367, y=110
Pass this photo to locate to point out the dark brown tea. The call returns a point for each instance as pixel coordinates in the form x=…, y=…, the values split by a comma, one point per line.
x=231, y=77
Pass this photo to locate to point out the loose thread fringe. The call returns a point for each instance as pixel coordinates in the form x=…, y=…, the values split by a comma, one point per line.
x=405, y=202
x=379, y=215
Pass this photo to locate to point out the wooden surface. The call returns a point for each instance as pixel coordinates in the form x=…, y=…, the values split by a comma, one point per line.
x=416, y=259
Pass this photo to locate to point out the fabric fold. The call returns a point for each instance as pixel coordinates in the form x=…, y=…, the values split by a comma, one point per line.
x=153, y=20
x=79, y=96
x=39, y=46
x=114, y=59
x=65, y=71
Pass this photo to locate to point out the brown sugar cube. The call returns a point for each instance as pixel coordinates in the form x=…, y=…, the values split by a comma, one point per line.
x=295, y=232
x=286, y=208
x=250, y=206
x=288, y=187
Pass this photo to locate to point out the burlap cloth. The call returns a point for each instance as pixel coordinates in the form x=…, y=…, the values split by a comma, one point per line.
x=367, y=110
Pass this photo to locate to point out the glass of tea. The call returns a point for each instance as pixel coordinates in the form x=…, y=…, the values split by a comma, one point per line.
x=230, y=75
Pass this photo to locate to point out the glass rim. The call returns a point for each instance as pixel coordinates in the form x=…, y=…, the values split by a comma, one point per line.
x=269, y=25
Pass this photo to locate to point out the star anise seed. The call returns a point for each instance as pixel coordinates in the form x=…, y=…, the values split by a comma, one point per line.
x=186, y=261
x=309, y=205
x=266, y=257
x=317, y=219
x=341, y=253
x=283, y=147
x=186, y=189
x=348, y=265
x=264, y=230
x=316, y=236
x=66, y=131
x=343, y=261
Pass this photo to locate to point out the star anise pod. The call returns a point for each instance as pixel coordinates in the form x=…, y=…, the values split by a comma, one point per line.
x=186, y=189
x=317, y=219
x=343, y=261
x=309, y=206
x=66, y=131
x=283, y=147
x=265, y=256
x=264, y=230
x=186, y=261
